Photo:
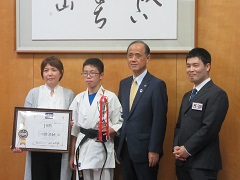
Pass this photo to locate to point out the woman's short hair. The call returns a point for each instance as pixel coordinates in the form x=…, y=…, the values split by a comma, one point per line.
x=52, y=61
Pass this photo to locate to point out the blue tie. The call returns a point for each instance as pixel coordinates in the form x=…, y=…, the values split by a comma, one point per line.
x=194, y=92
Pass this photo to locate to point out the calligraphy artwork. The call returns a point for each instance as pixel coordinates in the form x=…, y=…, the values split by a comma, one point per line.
x=104, y=19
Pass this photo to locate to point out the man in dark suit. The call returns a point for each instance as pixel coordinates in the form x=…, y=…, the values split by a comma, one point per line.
x=196, y=139
x=141, y=141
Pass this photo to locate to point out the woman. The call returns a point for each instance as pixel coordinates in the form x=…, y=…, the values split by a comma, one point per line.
x=46, y=165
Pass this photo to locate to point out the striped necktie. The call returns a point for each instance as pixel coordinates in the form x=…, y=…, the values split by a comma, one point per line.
x=194, y=92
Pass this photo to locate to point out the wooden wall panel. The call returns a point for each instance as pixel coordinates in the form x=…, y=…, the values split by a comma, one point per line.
x=163, y=66
x=16, y=79
x=116, y=69
x=218, y=31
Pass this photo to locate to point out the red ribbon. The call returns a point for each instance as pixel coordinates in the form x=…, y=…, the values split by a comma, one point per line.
x=103, y=109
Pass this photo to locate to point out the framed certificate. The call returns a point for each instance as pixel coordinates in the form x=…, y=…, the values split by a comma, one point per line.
x=36, y=129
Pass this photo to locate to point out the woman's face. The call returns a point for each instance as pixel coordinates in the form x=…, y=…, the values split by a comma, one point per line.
x=51, y=75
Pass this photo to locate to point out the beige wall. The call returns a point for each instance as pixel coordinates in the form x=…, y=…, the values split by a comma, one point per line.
x=218, y=31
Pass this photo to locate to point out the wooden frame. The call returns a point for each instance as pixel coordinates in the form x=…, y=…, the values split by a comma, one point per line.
x=185, y=35
x=36, y=129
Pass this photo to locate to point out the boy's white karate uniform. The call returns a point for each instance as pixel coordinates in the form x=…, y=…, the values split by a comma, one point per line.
x=92, y=154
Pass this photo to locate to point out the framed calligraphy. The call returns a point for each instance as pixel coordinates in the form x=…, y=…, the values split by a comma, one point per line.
x=36, y=129
x=104, y=26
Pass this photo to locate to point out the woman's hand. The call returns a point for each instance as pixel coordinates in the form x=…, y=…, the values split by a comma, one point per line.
x=16, y=149
x=72, y=123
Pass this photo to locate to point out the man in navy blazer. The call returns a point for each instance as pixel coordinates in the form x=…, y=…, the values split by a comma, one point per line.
x=196, y=139
x=141, y=141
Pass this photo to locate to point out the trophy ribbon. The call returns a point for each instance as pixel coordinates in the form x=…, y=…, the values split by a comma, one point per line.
x=103, y=121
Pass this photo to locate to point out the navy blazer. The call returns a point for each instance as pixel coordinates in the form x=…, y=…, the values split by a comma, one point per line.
x=145, y=125
x=198, y=128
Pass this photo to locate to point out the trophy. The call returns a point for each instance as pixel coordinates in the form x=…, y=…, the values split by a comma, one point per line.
x=103, y=125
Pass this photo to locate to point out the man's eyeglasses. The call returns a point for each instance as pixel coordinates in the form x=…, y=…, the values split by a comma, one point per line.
x=91, y=74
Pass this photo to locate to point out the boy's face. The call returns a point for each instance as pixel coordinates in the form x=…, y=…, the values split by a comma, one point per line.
x=92, y=77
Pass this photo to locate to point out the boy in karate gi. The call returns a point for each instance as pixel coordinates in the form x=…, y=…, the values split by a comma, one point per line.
x=94, y=110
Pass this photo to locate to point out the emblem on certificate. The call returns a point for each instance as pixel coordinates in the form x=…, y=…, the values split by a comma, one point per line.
x=22, y=137
x=103, y=125
x=22, y=132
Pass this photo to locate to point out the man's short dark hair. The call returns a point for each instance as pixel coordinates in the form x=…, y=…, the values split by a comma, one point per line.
x=201, y=53
x=147, y=49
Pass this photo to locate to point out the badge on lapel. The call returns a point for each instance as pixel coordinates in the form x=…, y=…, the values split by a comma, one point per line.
x=197, y=106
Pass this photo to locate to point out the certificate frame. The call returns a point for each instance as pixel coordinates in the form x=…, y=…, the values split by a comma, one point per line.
x=186, y=35
x=43, y=130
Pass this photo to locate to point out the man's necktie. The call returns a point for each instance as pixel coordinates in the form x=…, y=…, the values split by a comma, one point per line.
x=133, y=92
x=194, y=92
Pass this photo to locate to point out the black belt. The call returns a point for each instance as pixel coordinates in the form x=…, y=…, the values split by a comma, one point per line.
x=89, y=134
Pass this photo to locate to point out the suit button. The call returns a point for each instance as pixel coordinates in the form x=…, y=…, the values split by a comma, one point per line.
x=185, y=114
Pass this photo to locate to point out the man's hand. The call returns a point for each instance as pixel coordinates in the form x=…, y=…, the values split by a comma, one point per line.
x=153, y=158
x=180, y=153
